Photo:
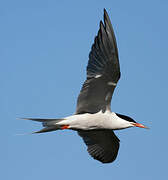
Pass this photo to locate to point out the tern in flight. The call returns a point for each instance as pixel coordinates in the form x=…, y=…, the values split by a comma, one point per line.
x=93, y=120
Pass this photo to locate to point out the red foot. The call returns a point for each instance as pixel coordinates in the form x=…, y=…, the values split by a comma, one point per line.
x=64, y=127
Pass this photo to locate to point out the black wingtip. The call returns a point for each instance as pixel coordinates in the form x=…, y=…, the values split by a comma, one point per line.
x=105, y=12
x=101, y=24
x=107, y=21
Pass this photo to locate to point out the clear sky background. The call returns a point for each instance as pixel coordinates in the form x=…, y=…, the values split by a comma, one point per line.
x=44, y=47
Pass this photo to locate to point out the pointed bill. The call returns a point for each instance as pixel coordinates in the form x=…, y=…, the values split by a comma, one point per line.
x=140, y=125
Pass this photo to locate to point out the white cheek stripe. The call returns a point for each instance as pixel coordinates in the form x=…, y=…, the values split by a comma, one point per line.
x=112, y=84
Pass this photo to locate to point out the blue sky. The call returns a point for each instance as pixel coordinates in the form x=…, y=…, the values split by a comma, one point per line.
x=44, y=52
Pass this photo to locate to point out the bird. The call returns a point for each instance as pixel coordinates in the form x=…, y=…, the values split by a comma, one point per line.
x=93, y=120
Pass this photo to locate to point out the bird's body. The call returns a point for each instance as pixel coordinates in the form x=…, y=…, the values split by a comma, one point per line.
x=93, y=120
x=87, y=121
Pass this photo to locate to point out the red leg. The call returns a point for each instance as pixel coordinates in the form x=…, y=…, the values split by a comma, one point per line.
x=64, y=127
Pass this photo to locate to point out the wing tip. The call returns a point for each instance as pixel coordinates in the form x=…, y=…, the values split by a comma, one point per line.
x=106, y=16
x=105, y=11
x=102, y=27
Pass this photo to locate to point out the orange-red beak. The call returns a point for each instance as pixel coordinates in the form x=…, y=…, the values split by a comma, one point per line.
x=140, y=125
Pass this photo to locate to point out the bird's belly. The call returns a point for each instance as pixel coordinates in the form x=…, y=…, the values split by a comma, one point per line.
x=87, y=121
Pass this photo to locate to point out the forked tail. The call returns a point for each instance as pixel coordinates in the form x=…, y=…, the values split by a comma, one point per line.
x=48, y=124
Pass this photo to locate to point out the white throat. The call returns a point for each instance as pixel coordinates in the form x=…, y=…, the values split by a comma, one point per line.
x=119, y=123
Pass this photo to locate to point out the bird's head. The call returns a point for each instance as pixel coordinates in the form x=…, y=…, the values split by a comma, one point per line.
x=132, y=122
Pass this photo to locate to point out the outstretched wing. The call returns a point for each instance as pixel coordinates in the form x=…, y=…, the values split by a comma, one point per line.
x=103, y=145
x=103, y=71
